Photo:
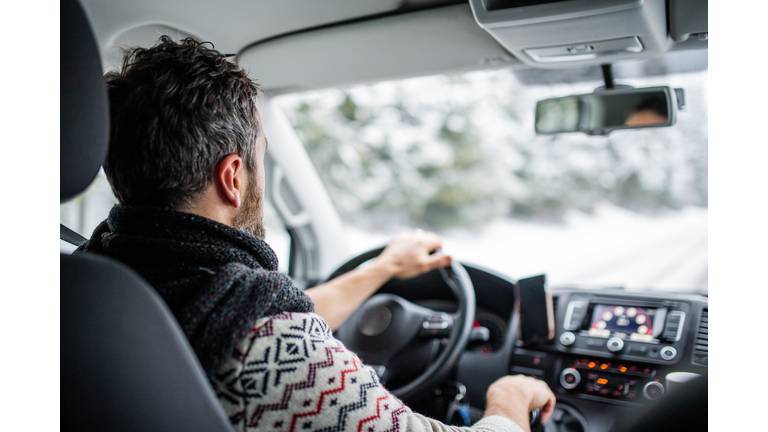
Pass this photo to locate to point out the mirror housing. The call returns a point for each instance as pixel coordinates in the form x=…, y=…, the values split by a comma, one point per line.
x=607, y=110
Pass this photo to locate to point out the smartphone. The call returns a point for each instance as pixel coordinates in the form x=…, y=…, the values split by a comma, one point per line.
x=537, y=320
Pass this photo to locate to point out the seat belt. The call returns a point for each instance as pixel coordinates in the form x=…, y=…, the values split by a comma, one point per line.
x=71, y=237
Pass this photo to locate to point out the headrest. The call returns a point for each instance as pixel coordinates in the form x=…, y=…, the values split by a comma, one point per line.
x=84, y=105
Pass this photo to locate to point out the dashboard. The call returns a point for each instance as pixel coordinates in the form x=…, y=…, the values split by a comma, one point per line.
x=612, y=354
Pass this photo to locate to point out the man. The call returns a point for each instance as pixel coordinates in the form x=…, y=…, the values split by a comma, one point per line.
x=186, y=162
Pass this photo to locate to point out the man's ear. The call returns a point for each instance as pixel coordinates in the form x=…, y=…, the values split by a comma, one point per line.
x=229, y=177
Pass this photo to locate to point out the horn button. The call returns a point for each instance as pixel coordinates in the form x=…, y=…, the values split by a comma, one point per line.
x=374, y=320
x=388, y=323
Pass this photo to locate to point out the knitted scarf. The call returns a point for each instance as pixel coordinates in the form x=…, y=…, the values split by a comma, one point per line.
x=217, y=280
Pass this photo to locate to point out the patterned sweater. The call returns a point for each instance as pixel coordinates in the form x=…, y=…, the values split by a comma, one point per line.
x=291, y=375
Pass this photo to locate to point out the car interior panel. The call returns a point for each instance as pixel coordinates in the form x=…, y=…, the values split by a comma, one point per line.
x=616, y=358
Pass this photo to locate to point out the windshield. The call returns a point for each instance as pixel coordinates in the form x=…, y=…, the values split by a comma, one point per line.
x=457, y=154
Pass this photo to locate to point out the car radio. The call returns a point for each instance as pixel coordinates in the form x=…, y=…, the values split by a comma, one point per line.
x=650, y=331
x=617, y=381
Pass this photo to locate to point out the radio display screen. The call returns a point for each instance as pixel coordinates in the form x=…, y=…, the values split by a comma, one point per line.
x=627, y=322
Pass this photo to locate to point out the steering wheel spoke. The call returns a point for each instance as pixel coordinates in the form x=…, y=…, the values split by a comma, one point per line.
x=436, y=325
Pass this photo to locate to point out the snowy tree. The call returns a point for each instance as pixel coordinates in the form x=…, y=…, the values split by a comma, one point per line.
x=449, y=151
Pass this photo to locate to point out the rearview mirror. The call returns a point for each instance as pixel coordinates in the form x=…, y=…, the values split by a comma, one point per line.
x=604, y=111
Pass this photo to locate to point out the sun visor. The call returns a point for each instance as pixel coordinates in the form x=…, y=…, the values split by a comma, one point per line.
x=426, y=42
x=565, y=33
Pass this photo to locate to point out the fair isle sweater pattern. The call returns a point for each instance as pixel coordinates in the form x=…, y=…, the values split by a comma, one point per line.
x=291, y=375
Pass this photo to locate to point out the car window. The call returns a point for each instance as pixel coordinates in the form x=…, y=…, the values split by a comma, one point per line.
x=83, y=213
x=458, y=154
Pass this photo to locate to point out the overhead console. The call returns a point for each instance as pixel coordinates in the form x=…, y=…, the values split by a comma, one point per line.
x=564, y=33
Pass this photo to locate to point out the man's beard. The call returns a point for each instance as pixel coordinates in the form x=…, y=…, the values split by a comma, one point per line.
x=249, y=216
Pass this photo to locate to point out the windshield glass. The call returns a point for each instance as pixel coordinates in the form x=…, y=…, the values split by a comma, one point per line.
x=457, y=154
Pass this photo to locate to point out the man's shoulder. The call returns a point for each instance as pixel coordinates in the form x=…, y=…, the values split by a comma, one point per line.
x=291, y=323
x=295, y=338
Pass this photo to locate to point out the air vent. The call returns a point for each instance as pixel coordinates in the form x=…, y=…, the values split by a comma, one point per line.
x=701, y=349
x=554, y=305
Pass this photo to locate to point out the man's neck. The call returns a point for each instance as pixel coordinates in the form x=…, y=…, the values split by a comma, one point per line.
x=211, y=206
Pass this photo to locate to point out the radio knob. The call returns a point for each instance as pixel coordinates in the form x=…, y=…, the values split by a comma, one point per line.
x=567, y=338
x=615, y=344
x=668, y=353
x=569, y=378
x=653, y=390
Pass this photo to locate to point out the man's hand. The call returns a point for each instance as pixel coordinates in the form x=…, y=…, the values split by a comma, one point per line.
x=514, y=397
x=408, y=254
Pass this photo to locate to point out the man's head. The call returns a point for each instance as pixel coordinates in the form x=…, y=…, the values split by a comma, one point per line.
x=184, y=128
x=649, y=111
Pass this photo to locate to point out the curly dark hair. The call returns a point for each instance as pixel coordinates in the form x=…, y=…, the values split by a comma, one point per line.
x=176, y=109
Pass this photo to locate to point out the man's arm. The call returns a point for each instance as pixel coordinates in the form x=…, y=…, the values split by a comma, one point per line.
x=509, y=400
x=407, y=256
x=290, y=374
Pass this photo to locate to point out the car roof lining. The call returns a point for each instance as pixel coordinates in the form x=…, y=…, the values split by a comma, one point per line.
x=303, y=44
x=141, y=22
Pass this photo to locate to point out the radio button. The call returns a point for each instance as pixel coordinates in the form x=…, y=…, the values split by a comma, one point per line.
x=567, y=338
x=668, y=353
x=569, y=378
x=653, y=390
x=615, y=344
x=653, y=352
x=574, y=315
x=638, y=350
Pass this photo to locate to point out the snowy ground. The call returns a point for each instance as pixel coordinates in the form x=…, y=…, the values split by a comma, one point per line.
x=613, y=247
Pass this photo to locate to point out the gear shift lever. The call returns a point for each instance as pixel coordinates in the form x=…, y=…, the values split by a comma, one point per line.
x=535, y=417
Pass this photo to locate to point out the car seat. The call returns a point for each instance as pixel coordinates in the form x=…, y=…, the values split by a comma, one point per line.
x=125, y=363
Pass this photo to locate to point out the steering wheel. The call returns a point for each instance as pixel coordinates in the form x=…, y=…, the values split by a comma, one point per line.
x=397, y=337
